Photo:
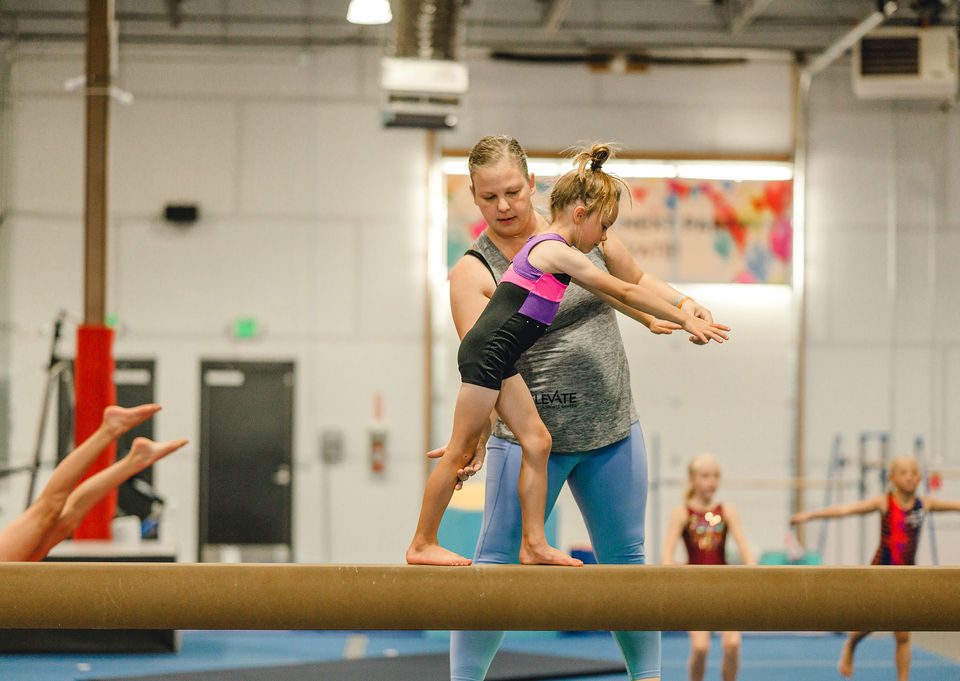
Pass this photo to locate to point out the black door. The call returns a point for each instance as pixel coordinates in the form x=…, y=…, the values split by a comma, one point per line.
x=246, y=452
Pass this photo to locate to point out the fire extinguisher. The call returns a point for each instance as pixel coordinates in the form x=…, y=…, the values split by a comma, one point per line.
x=378, y=438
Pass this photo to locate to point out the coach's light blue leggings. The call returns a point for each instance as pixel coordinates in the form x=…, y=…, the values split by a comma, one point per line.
x=610, y=487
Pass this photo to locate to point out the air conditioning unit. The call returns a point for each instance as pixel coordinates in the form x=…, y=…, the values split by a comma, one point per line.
x=906, y=63
x=422, y=93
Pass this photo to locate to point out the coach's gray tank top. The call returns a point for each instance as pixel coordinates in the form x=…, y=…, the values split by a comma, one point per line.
x=577, y=372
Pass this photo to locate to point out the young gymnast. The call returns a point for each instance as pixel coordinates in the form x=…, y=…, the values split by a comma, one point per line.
x=902, y=513
x=704, y=523
x=62, y=504
x=584, y=203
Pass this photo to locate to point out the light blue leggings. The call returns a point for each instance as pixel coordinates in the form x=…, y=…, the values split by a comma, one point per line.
x=610, y=487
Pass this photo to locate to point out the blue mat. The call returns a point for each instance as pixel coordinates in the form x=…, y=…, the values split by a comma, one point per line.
x=785, y=657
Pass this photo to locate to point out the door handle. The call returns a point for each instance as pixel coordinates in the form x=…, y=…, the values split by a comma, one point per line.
x=282, y=476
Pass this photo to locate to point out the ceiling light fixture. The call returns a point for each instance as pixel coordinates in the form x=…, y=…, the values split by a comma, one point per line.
x=369, y=12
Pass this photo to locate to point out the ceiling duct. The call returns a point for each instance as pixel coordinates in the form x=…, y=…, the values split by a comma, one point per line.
x=428, y=29
x=423, y=82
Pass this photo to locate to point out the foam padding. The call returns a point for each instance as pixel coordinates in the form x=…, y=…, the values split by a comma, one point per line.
x=95, y=391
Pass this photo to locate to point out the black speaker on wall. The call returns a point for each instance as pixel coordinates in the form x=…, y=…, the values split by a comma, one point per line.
x=181, y=213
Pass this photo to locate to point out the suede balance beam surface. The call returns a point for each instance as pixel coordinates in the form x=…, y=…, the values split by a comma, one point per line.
x=291, y=596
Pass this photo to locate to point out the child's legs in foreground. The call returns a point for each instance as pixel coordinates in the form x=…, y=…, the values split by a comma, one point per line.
x=902, y=655
x=516, y=408
x=471, y=414
x=699, y=647
x=143, y=454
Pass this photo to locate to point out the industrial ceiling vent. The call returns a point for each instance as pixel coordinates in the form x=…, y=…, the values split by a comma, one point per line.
x=424, y=82
x=906, y=63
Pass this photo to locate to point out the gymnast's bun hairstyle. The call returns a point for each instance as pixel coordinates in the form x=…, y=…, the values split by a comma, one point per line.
x=492, y=149
x=588, y=183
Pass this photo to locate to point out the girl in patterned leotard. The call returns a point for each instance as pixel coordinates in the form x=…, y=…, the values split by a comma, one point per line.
x=704, y=523
x=902, y=513
x=584, y=203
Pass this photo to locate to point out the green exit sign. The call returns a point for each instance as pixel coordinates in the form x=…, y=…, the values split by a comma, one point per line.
x=246, y=327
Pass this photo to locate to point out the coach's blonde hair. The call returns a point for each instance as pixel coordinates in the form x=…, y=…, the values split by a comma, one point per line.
x=494, y=148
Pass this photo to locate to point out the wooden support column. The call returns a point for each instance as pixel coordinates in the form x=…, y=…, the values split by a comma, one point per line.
x=99, y=26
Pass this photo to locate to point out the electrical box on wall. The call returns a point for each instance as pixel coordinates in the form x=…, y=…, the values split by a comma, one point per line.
x=906, y=63
x=182, y=214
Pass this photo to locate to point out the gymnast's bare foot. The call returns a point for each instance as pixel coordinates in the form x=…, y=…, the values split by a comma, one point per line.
x=544, y=554
x=118, y=420
x=845, y=665
x=434, y=554
x=145, y=452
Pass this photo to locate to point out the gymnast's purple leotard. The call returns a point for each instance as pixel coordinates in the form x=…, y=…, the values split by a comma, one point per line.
x=519, y=312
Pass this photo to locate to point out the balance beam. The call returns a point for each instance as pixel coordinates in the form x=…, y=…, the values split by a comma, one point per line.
x=608, y=597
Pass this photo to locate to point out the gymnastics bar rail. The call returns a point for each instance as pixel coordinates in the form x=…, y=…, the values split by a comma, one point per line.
x=374, y=597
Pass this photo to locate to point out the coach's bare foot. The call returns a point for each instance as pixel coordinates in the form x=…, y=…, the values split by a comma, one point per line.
x=845, y=665
x=118, y=420
x=145, y=452
x=544, y=554
x=434, y=554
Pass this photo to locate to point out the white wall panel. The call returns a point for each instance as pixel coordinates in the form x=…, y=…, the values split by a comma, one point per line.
x=173, y=152
x=47, y=155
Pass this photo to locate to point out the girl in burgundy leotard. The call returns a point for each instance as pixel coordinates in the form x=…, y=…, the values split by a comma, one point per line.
x=902, y=513
x=703, y=524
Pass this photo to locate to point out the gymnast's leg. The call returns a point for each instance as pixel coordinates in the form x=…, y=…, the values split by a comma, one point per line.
x=21, y=539
x=845, y=665
x=143, y=454
x=518, y=411
x=731, y=654
x=471, y=415
x=902, y=654
x=699, y=648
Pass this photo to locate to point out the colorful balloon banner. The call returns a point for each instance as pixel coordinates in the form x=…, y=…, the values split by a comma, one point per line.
x=681, y=230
